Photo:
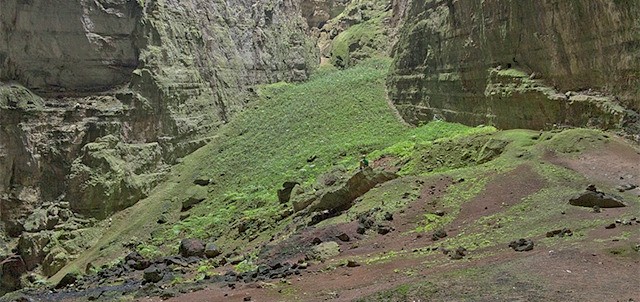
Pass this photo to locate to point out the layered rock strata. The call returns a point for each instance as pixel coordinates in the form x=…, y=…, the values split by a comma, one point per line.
x=512, y=64
x=99, y=97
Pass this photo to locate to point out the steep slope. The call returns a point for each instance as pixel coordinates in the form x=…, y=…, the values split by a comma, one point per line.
x=514, y=64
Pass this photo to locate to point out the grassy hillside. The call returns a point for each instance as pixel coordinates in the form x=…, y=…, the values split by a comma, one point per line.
x=291, y=132
x=332, y=119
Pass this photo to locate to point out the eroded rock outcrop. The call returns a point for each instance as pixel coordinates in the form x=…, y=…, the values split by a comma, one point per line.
x=517, y=64
x=98, y=99
x=103, y=95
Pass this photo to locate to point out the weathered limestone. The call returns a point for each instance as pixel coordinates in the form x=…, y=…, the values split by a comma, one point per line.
x=516, y=64
x=98, y=99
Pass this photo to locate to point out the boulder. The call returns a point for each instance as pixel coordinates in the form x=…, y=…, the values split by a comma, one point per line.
x=439, y=234
x=384, y=229
x=37, y=221
x=136, y=261
x=11, y=268
x=191, y=247
x=211, y=250
x=54, y=261
x=324, y=251
x=195, y=195
x=301, y=199
x=31, y=247
x=340, y=197
x=521, y=245
x=153, y=274
x=592, y=198
x=343, y=237
x=68, y=279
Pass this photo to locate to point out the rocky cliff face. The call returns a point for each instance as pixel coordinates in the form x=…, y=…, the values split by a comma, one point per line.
x=518, y=64
x=98, y=98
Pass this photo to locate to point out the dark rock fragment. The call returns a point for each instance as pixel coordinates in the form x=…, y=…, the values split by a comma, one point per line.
x=560, y=233
x=343, y=237
x=521, y=245
x=191, y=247
x=439, y=234
x=610, y=226
x=153, y=274
x=388, y=216
x=626, y=187
x=592, y=197
x=68, y=279
x=439, y=213
x=211, y=250
x=384, y=229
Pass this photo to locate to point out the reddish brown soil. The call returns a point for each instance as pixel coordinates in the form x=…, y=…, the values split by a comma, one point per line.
x=599, y=266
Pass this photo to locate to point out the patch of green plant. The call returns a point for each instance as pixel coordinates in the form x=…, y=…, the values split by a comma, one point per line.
x=366, y=38
x=246, y=265
x=148, y=251
x=513, y=73
x=293, y=132
x=575, y=140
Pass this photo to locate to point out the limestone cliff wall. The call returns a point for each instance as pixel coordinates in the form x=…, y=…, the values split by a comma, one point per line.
x=99, y=97
x=518, y=63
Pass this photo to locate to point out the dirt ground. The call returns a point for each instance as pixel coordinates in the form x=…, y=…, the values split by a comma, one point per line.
x=600, y=265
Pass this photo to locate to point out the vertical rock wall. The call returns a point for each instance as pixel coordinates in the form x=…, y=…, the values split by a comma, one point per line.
x=99, y=97
x=519, y=63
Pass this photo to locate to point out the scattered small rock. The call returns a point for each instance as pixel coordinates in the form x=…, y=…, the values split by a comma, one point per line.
x=316, y=241
x=388, y=216
x=626, y=187
x=211, y=251
x=458, y=254
x=202, y=181
x=596, y=209
x=384, y=229
x=247, y=298
x=560, y=233
x=439, y=234
x=610, y=226
x=352, y=263
x=343, y=237
x=521, y=245
x=439, y=213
